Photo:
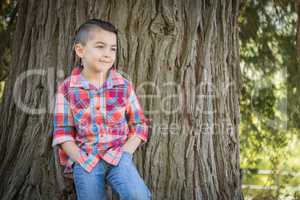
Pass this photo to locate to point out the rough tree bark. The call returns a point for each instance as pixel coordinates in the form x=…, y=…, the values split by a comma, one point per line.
x=184, y=53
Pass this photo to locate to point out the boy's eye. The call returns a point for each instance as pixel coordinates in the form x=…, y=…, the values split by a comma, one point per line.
x=99, y=47
x=113, y=49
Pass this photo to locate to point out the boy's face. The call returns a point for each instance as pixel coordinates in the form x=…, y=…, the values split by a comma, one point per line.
x=99, y=52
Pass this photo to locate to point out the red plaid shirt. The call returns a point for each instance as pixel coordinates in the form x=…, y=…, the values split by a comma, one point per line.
x=98, y=120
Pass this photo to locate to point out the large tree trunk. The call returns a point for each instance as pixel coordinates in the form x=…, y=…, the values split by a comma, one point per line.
x=184, y=53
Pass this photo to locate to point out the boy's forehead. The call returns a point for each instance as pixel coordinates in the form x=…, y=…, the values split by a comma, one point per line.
x=101, y=36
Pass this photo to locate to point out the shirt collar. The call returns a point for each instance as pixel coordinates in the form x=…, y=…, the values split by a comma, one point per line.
x=77, y=80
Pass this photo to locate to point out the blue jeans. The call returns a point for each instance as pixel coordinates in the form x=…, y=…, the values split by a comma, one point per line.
x=124, y=180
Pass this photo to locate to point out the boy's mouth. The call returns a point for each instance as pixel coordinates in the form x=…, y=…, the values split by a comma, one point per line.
x=104, y=61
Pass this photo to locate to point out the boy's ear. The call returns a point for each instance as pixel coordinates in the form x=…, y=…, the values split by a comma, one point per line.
x=79, y=50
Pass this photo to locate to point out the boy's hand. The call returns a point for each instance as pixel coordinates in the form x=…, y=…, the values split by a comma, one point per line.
x=69, y=175
x=131, y=144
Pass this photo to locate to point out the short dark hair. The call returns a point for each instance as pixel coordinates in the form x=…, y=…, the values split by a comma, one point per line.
x=82, y=33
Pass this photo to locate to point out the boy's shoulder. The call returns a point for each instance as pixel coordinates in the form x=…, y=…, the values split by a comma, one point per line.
x=120, y=77
x=64, y=85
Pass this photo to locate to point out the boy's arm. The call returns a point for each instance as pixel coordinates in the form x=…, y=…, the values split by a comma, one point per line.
x=137, y=122
x=64, y=130
x=74, y=151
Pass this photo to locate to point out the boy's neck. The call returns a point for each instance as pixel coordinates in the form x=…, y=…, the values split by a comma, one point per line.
x=96, y=78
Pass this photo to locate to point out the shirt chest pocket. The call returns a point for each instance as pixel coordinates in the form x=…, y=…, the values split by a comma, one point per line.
x=115, y=108
x=80, y=105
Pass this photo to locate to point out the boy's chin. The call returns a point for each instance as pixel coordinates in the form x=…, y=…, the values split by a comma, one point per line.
x=100, y=69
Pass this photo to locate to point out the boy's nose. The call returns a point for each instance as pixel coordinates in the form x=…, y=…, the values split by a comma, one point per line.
x=107, y=56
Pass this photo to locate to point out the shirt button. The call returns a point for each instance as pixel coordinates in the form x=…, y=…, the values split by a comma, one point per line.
x=95, y=129
x=98, y=107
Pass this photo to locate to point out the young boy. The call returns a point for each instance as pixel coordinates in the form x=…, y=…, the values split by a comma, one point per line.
x=98, y=121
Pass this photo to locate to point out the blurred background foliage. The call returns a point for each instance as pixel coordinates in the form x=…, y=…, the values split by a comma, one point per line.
x=8, y=13
x=270, y=120
x=269, y=129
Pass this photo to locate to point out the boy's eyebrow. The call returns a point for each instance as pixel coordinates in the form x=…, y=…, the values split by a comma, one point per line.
x=100, y=42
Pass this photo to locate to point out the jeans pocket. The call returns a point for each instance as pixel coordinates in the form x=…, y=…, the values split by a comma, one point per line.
x=128, y=154
x=76, y=165
x=76, y=169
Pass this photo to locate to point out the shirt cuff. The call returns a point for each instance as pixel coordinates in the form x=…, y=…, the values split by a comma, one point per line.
x=62, y=135
x=141, y=131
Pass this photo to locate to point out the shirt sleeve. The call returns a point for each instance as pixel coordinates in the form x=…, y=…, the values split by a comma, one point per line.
x=64, y=129
x=137, y=122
